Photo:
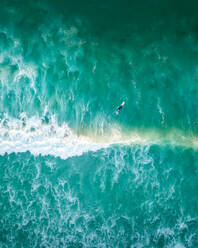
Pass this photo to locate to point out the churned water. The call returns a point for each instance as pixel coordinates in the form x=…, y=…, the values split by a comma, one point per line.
x=72, y=172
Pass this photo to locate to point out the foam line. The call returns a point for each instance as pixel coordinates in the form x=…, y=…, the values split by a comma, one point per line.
x=43, y=139
x=38, y=138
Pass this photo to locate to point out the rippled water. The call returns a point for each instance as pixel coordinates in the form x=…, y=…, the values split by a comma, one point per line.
x=72, y=172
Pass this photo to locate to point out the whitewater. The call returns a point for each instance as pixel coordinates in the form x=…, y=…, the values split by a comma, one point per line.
x=73, y=173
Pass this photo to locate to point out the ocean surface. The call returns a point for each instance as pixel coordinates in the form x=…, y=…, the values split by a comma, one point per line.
x=73, y=173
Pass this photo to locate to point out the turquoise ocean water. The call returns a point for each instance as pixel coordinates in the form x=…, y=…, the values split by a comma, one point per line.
x=72, y=172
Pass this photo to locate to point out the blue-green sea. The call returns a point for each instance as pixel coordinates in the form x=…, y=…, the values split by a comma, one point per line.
x=73, y=173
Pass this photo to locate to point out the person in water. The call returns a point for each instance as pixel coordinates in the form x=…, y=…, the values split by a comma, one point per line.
x=119, y=108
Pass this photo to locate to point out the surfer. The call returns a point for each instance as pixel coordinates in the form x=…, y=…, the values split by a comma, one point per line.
x=119, y=108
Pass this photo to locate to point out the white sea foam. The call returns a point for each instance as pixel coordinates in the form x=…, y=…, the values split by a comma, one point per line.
x=38, y=138
x=21, y=135
x=161, y=112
